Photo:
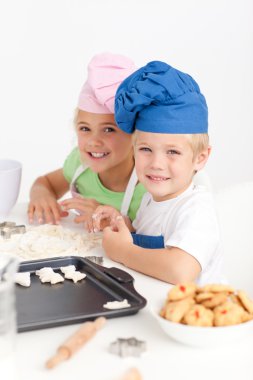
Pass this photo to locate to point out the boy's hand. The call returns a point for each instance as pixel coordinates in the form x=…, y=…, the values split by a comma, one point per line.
x=45, y=209
x=117, y=243
x=105, y=216
x=85, y=206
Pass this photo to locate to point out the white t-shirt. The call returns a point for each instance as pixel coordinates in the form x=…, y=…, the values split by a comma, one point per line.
x=188, y=222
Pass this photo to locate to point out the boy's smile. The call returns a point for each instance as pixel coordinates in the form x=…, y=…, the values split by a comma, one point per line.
x=165, y=163
x=157, y=179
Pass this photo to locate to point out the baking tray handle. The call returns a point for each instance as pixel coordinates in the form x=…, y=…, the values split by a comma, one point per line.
x=119, y=275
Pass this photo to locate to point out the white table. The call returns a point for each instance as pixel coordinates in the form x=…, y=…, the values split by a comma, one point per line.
x=164, y=359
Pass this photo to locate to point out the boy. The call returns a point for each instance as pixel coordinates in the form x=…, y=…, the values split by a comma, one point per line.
x=176, y=222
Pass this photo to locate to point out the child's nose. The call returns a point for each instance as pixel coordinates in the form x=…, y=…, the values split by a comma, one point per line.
x=95, y=140
x=157, y=162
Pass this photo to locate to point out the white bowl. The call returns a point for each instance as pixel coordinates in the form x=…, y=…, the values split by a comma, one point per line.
x=201, y=336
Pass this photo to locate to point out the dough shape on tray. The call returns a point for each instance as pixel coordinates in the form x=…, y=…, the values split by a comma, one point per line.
x=75, y=276
x=116, y=305
x=68, y=269
x=47, y=274
x=71, y=273
x=23, y=279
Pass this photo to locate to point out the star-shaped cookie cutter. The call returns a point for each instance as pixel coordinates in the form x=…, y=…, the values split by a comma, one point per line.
x=10, y=228
x=128, y=347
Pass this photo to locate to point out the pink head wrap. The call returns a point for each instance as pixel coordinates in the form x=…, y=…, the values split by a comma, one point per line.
x=106, y=71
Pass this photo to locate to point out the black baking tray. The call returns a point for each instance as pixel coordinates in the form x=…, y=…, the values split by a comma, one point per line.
x=44, y=305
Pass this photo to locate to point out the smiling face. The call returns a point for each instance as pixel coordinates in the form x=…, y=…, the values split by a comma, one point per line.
x=102, y=145
x=165, y=163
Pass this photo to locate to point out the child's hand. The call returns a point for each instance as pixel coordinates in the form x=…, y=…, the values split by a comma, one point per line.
x=85, y=206
x=45, y=210
x=117, y=243
x=105, y=216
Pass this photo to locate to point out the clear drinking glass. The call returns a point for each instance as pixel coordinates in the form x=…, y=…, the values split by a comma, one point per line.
x=10, y=179
x=8, y=268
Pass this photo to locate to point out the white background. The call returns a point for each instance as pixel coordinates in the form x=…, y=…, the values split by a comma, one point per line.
x=45, y=47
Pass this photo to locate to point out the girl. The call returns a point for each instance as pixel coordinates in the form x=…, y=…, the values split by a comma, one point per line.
x=100, y=170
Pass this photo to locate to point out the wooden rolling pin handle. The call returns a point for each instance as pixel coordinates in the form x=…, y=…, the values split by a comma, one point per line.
x=132, y=374
x=76, y=341
x=61, y=355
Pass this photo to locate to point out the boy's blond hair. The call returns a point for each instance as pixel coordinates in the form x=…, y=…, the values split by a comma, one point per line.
x=199, y=142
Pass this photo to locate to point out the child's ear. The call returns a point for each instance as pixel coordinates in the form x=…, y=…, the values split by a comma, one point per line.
x=202, y=158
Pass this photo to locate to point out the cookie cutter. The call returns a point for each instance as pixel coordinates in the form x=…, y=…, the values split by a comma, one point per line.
x=128, y=347
x=10, y=228
x=7, y=224
x=96, y=259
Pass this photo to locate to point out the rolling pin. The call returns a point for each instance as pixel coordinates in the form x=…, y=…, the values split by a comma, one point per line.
x=76, y=341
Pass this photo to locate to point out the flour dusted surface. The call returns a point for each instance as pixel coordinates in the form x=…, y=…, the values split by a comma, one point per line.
x=47, y=241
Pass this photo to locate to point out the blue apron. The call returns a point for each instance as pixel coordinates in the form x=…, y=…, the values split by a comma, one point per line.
x=147, y=241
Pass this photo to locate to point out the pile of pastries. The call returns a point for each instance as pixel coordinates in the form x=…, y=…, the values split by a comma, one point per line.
x=210, y=305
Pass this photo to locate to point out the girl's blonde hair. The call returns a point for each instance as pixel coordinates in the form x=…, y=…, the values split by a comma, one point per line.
x=76, y=110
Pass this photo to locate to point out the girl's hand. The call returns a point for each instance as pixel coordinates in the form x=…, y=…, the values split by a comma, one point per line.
x=85, y=206
x=44, y=193
x=45, y=209
x=117, y=243
x=105, y=216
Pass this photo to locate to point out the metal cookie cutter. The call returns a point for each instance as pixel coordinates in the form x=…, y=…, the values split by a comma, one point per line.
x=128, y=347
x=96, y=259
x=10, y=228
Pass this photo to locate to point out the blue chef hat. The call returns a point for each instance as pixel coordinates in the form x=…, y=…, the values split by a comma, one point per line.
x=160, y=99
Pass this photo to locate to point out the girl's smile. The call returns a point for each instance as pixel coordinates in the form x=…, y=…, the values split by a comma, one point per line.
x=104, y=147
x=98, y=155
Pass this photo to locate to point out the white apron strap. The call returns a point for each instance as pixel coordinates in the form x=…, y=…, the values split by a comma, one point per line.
x=129, y=193
x=78, y=172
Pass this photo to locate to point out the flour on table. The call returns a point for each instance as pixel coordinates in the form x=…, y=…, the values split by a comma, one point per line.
x=47, y=241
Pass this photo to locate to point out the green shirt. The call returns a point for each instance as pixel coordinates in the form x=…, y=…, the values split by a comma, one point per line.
x=89, y=185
